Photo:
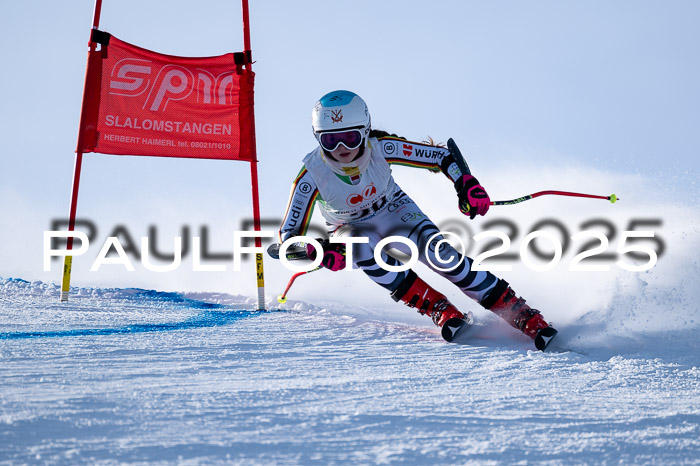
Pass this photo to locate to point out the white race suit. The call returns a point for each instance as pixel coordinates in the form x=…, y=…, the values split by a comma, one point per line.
x=370, y=204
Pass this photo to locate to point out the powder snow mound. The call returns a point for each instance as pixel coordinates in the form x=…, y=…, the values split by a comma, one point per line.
x=655, y=313
x=641, y=319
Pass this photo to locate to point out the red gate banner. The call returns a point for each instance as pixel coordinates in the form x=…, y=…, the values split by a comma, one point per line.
x=139, y=102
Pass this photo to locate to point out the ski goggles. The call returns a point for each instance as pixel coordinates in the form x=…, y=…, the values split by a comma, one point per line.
x=352, y=139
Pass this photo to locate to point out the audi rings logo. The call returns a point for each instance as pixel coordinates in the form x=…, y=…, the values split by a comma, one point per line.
x=368, y=193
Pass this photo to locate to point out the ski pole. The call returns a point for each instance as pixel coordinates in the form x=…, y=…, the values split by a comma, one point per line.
x=459, y=158
x=464, y=168
x=283, y=297
x=612, y=198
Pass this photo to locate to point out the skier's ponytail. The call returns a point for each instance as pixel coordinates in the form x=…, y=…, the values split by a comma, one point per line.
x=378, y=133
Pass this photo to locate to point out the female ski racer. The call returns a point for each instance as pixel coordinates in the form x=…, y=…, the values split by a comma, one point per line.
x=349, y=175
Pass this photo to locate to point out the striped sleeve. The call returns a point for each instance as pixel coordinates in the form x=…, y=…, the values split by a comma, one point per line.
x=300, y=207
x=399, y=151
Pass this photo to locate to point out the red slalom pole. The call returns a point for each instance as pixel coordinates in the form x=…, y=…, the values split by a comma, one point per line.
x=68, y=259
x=612, y=198
x=260, y=276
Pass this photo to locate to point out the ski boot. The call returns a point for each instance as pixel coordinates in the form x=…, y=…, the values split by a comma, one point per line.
x=414, y=292
x=503, y=302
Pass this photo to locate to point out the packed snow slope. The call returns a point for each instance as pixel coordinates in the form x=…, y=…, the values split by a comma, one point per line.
x=129, y=375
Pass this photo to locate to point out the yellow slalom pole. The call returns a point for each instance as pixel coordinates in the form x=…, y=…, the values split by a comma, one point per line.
x=68, y=260
x=261, y=281
x=65, y=283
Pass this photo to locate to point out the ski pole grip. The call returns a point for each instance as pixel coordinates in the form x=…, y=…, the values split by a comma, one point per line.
x=459, y=159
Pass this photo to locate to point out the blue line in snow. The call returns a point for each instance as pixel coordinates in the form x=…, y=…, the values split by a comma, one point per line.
x=202, y=320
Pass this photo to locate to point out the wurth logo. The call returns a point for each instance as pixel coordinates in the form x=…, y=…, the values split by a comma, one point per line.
x=407, y=150
x=159, y=85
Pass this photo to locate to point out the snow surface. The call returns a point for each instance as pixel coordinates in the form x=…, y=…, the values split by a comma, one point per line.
x=130, y=375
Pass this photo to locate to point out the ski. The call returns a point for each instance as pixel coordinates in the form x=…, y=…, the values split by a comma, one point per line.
x=455, y=326
x=544, y=337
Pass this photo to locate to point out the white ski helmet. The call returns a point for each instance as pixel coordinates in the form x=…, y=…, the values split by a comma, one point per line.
x=339, y=111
